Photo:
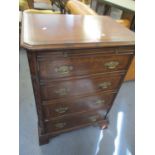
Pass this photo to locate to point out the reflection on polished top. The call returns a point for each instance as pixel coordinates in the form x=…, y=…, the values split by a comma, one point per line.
x=48, y=31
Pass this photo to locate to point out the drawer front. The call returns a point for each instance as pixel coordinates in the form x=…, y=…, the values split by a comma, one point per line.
x=76, y=120
x=57, y=67
x=83, y=86
x=73, y=105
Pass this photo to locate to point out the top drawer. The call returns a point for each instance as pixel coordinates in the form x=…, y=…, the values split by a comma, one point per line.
x=60, y=65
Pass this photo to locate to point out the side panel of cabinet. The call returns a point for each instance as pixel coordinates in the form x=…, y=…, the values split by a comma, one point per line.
x=36, y=88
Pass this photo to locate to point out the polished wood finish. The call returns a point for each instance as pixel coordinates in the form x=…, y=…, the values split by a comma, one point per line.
x=61, y=89
x=79, y=8
x=76, y=120
x=104, y=32
x=60, y=108
x=67, y=64
x=75, y=77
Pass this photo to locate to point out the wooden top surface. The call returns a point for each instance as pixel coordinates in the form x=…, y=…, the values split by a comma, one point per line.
x=122, y=4
x=49, y=31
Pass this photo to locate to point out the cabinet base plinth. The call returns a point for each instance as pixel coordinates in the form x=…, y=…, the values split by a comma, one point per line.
x=103, y=124
x=44, y=139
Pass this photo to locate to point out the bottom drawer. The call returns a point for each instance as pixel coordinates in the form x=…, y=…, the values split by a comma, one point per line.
x=76, y=120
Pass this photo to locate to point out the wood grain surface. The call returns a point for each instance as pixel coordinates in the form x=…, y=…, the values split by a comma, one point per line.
x=46, y=32
x=76, y=62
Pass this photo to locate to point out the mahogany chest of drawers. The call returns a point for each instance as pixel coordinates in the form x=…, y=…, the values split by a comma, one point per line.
x=77, y=65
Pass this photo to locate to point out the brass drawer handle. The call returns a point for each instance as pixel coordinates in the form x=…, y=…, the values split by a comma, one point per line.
x=99, y=102
x=111, y=64
x=64, y=70
x=93, y=118
x=61, y=110
x=104, y=85
x=60, y=125
x=62, y=91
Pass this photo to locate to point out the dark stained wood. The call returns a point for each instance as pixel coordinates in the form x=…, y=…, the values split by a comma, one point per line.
x=76, y=32
x=75, y=76
x=36, y=89
x=51, y=66
x=61, y=89
x=63, y=107
x=69, y=122
x=43, y=139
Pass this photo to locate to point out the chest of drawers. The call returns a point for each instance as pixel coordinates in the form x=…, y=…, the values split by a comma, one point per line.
x=76, y=71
